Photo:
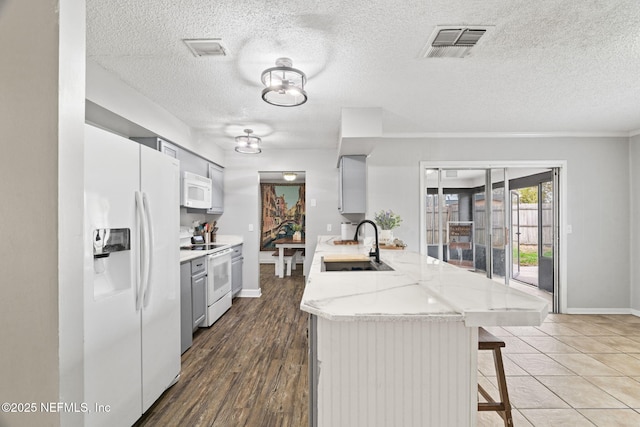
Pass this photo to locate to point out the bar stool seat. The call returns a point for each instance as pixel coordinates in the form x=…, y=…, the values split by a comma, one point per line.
x=486, y=341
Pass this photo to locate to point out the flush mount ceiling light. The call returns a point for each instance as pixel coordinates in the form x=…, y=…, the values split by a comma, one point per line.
x=284, y=85
x=289, y=176
x=248, y=144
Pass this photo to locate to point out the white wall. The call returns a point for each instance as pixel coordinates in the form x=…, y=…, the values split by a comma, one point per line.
x=70, y=202
x=111, y=93
x=598, y=207
x=242, y=200
x=41, y=117
x=634, y=175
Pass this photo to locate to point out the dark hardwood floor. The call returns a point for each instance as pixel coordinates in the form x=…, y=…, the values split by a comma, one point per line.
x=249, y=369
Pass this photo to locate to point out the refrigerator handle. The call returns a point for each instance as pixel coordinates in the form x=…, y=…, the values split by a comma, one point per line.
x=141, y=222
x=149, y=254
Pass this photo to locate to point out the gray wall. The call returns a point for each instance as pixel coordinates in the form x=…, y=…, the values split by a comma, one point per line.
x=598, y=206
x=242, y=199
x=598, y=278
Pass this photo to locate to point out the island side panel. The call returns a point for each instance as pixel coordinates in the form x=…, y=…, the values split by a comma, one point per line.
x=408, y=373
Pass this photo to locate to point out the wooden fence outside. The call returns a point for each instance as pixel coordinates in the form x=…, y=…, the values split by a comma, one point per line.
x=529, y=223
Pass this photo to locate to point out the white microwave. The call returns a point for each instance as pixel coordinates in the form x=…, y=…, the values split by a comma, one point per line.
x=196, y=191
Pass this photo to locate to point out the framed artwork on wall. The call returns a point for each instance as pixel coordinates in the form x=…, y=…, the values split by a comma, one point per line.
x=283, y=213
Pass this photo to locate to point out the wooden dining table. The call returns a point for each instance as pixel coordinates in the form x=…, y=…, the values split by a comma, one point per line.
x=281, y=245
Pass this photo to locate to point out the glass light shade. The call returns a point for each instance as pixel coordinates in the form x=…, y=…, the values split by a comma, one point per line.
x=284, y=85
x=289, y=176
x=247, y=144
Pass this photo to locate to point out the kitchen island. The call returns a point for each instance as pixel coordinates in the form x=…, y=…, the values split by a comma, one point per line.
x=400, y=347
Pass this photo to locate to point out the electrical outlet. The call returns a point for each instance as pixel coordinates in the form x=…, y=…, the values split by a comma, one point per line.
x=328, y=227
x=250, y=227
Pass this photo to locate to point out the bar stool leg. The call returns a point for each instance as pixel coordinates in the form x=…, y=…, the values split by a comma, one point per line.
x=503, y=407
x=502, y=387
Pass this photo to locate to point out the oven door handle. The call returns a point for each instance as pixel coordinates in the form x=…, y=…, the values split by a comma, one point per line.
x=220, y=253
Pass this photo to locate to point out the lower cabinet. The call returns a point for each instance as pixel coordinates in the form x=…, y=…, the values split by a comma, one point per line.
x=193, y=299
x=186, y=319
x=236, y=269
x=198, y=290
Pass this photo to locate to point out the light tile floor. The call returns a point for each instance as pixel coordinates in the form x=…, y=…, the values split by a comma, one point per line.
x=573, y=370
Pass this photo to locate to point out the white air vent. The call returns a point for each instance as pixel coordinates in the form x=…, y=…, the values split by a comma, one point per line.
x=452, y=41
x=205, y=47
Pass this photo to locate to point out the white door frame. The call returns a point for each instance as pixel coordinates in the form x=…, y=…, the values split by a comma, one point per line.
x=561, y=233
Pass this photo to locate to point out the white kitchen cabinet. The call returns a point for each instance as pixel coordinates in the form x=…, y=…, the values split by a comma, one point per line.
x=216, y=174
x=353, y=185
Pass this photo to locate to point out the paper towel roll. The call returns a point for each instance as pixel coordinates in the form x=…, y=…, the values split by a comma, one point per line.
x=345, y=231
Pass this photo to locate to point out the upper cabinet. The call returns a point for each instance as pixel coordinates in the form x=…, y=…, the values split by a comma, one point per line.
x=160, y=145
x=190, y=162
x=216, y=174
x=169, y=149
x=353, y=185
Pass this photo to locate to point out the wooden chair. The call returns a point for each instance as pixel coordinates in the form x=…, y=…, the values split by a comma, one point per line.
x=486, y=341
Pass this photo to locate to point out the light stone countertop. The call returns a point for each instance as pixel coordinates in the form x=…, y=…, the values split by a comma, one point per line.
x=420, y=289
x=227, y=240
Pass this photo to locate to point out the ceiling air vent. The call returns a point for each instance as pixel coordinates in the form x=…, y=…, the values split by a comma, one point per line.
x=205, y=47
x=452, y=42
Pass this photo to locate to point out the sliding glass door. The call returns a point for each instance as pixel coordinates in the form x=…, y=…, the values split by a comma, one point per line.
x=515, y=234
x=534, y=225
x=464, y=224
x=499, y=240
x=483, y=220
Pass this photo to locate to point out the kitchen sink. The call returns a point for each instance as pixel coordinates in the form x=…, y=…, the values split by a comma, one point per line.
x=354, y=266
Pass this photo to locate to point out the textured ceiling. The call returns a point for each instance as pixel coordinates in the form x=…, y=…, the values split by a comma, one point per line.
x=544, y=66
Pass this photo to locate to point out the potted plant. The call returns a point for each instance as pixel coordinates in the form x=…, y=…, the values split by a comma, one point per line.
x=297, y=231
x=386, y=221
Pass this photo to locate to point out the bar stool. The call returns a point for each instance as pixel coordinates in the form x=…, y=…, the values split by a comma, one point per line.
x=486, y=341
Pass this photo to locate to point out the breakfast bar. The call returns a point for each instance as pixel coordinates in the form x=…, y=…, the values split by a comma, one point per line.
x=399, y=346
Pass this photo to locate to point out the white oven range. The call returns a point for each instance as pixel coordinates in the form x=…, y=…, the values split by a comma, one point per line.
x=218, y=285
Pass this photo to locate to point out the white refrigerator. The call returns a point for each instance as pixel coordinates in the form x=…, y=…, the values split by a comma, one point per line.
x=132, y=277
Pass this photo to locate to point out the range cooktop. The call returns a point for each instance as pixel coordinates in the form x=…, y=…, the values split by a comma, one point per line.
x=202, y=247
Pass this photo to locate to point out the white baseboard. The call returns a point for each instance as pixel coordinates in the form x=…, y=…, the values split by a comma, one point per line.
x=250, y=293
x=601, y=311
x=635, y=312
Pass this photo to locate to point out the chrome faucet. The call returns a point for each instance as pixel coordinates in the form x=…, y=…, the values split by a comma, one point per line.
x=375, y=253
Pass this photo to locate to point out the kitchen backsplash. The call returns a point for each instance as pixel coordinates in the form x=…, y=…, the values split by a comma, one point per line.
x=187, y=218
